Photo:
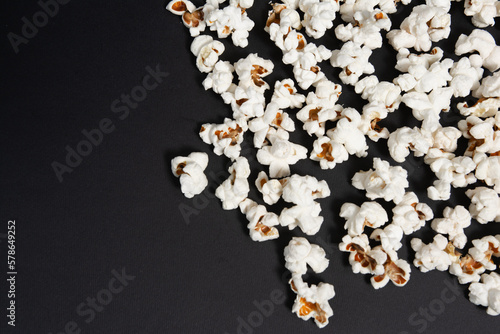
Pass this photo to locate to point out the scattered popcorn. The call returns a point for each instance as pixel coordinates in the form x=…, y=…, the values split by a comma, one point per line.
x=303, y=190
x=390, y=237
x=483, y=135
x=465, y=77
x=231, y=20
x=207, y=52
x=454, y=222
x=483, y=12
x=347, y=133
x=225, y=137
x=251, y=70
x=306, y=217
x=221, y=77
x=374, y=91
x=482, y=108
x=280, y=155
x=366, y=29
x=299, y=253
x=354, y=61
x=318, y=16
x=431, y=256
x=485, y=204
x=487, y=293
x=328, y=152
x=362, y=259
x=488, y=169
x=490, y=86
x=192, y=17
x=464, y=266
x=261, y=223
x=286, y=96
x=481, y=41
x=373, y=112
x=369, y=214
x=395, y=270
x=427, y=107
x=456, y=172
x=411, y=215
x=384, y=181
x=484, y=249
x=189, y=170
x=236, y=188
x=271, y=189
x=403, y=139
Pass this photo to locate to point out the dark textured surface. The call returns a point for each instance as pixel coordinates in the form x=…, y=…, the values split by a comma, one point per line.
x=120, y=207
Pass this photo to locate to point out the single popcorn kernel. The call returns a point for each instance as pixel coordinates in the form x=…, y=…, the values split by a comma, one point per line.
x=231, y=133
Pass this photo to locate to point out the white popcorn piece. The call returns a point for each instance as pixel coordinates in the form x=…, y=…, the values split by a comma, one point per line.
x=362, y=259
x=395, y=270
x=231, y=20
x=366, y=28
x=192, y=17
x=304, y=61
x=318, y=16
x=456, y=172
x=280, y=155
x=246, y=102
x=433, y=255
x=417, y=63
x=483, y=12
x=484, y=249
x=488, y=169
x=410, y=214
x=481, y=41
x=373, y=112
x=483, y=135
x=482, y=108
x=454, y=222
x=273, y=124
x=328, y=152
x=306, y=217
x=241, y=3
x=444, y=138
x=251, y=70
x=390, y=237
x=370, y=214
x=312, y=302
x=485, y=204
x=189, y=170
x=465, y=77
x=300, y=253
x=425, y=24
x=487, y=293
x=225, y=137
x=283, y=15
x=260, y=222
x=347, y=133
x=207, y=52
x=384, y=181
x=271, y=189
x=383, y=92
x=354, y=61
x=286, y=96
x=463, y=266
x=285, y=37
x=490, y=86
x=403, y=139
x=303, y=190
x=236, y=188
x=221, y=77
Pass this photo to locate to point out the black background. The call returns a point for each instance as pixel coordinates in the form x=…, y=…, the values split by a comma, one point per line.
x=120, y=207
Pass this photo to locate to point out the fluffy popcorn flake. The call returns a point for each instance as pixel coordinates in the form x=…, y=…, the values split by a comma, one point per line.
x=485, y=204
x=271, y=189
x=483, y=12
x=384, y=181
x=207, y=52
x=260, y=222
x=411, y=215
x=328, y=152
x=225, y=137
x=306, y=217
x=189, y=170
x=303, y=190
x=431, y=256
x=192, y=17
x=390, y=237
x=454, y=222
x=299, y=253
x=354, y=61
x=487, y=293
x=221, y=77
x=370, y=214
x=231, y=20
x=318, y=16
x=280, y=155
x=361, y=257
x=483, y=42
x=251, y=71
x=236, y=188
x=395, y=270
x=347, y=133
x=484, y=249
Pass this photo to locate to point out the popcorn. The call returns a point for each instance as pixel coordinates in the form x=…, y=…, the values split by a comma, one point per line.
x=286, y=96
x=366, y=28
x=465, y=77
x=485, y=204
x=354, y=61
x=425, y=24
x=304, y=61
x=488, y=170
x=369, y=214
x=483, y=135
x=403, y=139
x=427, y=107
x=487, y=293
x=318, y=16
x=221, y=77
x=273, y=124
x=280, y=155
x=481, y=41
x=303, y=190
x=328, y=152
x=383, y=92
x=373, y=112
x=484, y=249
x=271, y=189
x=251, y=70
x=431, y=256
x=225, y=137
x=454, y=222
x=189, y=170
x=261, y=223
x=236, y=188
x=482, y=108
x=464, y=266
x=348, y=134
x=384, y=181
x=299, y=253
x=207, y=52
x=444, y=138
x=395, y=270
x=390, y=237
x=362, y=259
x=306, y=217
x=231, y=20
x=456, y=172
x=245, y=102
x=411, y=215
x=490, y=86
x=192, y=17
x=483, y=12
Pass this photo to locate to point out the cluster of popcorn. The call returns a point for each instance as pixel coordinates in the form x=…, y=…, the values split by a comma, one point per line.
x=427, y=84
